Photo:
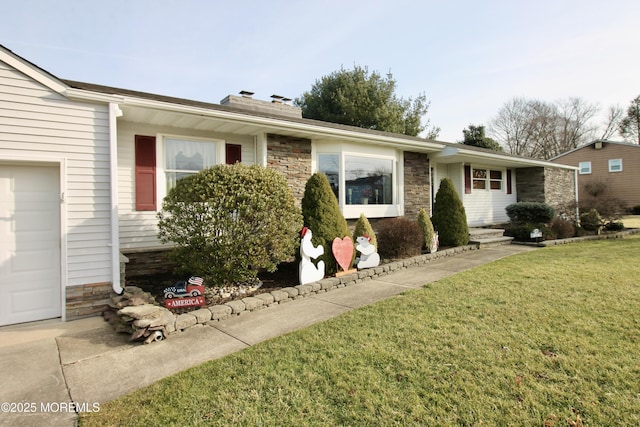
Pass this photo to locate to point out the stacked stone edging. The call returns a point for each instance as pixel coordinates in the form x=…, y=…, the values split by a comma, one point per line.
x=214, y=314
x=545, y=243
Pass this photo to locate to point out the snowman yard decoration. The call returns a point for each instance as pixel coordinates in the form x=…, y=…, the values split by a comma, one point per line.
x=368, y=255
x=307, y=271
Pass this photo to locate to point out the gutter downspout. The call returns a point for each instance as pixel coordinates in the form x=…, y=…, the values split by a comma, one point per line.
x=114, y=113
x=575, y=181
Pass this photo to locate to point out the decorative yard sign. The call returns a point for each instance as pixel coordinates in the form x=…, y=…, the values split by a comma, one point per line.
x=343, y=253
x=307, y=271
x=536, y=233
x=368, y=256
x=189, y=293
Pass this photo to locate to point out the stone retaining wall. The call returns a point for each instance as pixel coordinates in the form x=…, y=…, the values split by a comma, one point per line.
x=212, y=315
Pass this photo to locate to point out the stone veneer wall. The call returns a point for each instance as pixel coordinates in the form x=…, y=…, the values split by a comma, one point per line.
x=292, y=157
x=91, y=299
x=530, y=184
x=417, y=187
x=87, y=300
x=553, y=186
x=147, y=262
x=560, y=190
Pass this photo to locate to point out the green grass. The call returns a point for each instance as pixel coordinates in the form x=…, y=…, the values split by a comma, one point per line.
x=546, y=338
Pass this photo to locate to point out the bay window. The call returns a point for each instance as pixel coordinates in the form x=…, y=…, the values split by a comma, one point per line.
x=368, y=180
x=363, y=180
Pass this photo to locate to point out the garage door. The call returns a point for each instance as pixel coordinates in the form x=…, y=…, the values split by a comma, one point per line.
x=29, y=243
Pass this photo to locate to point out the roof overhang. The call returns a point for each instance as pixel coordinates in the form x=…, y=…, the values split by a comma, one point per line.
x=206, y=117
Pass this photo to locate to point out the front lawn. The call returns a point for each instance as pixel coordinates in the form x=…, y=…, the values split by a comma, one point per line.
x=546, y=338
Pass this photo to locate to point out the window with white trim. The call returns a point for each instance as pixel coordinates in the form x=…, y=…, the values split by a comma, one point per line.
x=615, y=165
x=488, y=179
x=185, y=157
x=585, y=168
x=368, y=180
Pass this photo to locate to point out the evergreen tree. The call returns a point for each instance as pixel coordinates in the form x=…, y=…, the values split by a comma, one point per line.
x=363, y=226
x=426, y=226
x=322, y=215
x=449, y=217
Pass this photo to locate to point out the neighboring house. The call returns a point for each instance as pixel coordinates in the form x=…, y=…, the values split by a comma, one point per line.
x=615, y=165
x=84, y=169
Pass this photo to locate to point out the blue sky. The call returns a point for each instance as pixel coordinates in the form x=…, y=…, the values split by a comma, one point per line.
x=468, y=57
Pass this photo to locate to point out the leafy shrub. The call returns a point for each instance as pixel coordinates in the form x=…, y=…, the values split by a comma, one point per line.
x=363, y=226
x=522, y=231
x=591, y=221
x=563, y=228
x=599, y=196
x=635, y=210
x=614, y=226
x=321, y=213
x=449, y=217
x=227, y=222
x=399, y=237
x=426, y=226
x=530, y=212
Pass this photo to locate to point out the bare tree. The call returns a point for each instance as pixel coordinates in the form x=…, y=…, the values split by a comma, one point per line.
x=511, y=127
x=543, y=130
x=612, y=124
x=630, y=124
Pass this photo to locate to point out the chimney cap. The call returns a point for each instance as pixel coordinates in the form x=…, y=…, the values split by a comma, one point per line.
x=246, y=93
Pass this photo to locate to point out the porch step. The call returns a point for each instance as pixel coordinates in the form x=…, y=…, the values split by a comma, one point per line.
x=486, y=237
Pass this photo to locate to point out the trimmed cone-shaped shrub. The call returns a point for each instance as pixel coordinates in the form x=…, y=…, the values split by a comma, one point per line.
x=426, y=226
x=321, y=213
x=449, y=217
x=228, y=222
x=363, y=226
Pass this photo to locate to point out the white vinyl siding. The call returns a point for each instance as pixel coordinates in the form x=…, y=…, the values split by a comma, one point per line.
x=40, y=124
x=138, y=229
x=483, y=207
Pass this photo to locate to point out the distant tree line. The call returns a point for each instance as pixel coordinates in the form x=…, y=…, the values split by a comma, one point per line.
x=543, y=130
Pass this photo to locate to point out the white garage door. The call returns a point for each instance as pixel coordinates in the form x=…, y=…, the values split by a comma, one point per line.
x=29, y=243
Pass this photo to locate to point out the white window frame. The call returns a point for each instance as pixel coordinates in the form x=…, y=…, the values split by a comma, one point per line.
x=585, y=168
x=487, y=179
x=354, y=211
x=615, y=165
x=161, y=175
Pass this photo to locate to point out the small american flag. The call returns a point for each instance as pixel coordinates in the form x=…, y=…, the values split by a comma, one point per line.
x=196, y=280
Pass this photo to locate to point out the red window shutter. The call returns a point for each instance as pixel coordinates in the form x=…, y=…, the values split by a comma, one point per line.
x=233, y=153
x=145, y=173
x=467, y=179
x=509, y=191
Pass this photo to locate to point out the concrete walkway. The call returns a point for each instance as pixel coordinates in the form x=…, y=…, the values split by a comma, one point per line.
x=46, y=365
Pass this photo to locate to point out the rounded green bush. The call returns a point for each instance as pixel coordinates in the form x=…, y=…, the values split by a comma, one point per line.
x=531, y=212
x=229, y=221
x=449, y=217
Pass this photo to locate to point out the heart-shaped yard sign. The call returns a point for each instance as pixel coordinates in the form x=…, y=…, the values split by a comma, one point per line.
x=343, y=251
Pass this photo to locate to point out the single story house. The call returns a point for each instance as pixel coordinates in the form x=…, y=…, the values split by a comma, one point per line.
x=613, y=166
x=84, y=168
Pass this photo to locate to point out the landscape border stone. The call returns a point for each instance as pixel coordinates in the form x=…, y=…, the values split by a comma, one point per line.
x=214, y=314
